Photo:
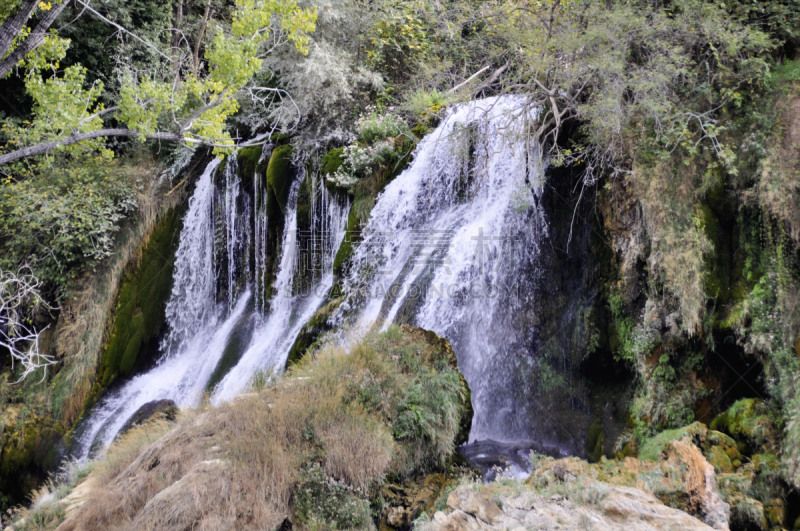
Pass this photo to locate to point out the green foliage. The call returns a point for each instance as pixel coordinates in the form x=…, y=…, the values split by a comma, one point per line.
x=385, y=140
x=749, y=420
x=63, y=219
x=332, y=161
x=44, y=518
x=624, y=327
x=631, y=341
x=374, y=126
x=427, y=105
x=321, y=501
x=429, y=412
x=151, y=97
x=780, y=19
x=399, y=38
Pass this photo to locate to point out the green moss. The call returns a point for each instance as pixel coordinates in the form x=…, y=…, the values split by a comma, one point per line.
x=717, y=264
x=700, y=435
x=311, y=331
x=248, y=158
x=139, y=314
x=346, y=248
x=596, y=442
x=28, y=451
x=280, y=173
x=248, y=161
x=720, y=460
x=420, y=130
x=332, y=161
x=750, y=423
x=131, y=351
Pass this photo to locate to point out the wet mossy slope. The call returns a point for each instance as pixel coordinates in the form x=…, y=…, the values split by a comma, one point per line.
x=141, y=304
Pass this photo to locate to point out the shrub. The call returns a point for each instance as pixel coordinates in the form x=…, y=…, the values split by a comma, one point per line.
x=384, y=139
x=375, y=125
x=426, y=104
x=63, y=220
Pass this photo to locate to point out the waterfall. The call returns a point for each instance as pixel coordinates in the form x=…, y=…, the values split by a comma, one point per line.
x=451, y=246
x=198, y=330
x=238, y=230
x=220, y=261
x=291, y=307
x=193, y=288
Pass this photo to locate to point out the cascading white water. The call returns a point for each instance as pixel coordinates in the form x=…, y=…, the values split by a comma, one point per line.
x=290, y=309
x=199, y=330
x=451, y=246
x=328, y=220
x=193, y=283
x=238, y=230
x=227, y=225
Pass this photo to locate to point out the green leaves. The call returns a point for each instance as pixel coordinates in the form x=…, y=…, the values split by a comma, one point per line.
x=63, y=219
x=203, y=103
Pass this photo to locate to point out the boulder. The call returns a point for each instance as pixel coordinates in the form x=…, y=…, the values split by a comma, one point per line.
x=163, y=408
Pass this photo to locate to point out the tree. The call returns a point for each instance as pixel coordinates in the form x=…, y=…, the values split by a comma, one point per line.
x=173, y=98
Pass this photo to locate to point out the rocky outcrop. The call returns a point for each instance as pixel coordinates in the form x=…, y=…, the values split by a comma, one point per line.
x=682, y=478
x=622, y=508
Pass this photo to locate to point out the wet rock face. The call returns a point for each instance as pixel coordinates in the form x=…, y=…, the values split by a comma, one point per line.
x=514, y=459
x=165, y=408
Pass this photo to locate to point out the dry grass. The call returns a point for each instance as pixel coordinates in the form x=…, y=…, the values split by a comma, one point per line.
x=778, y=189
x=237, y=466
x=668, y=193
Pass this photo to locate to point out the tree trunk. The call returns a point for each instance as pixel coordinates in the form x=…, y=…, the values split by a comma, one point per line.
x=34, y=40
x=206, y=16
x=176, y=34
x=12, y=25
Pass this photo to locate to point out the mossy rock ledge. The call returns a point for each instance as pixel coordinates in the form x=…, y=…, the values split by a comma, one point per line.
x=139, y=315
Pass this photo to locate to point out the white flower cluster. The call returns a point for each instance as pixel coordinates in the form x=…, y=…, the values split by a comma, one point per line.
x=372, y=125
x=377, y=133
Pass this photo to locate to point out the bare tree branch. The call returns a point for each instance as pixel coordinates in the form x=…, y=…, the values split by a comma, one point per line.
x=127, y=32
x=78, y=138
x=19, y=300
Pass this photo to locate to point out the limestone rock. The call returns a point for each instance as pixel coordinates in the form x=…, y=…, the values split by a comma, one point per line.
x=699, y=483
x=622, y=509
x=471, y=502
x=625, y=504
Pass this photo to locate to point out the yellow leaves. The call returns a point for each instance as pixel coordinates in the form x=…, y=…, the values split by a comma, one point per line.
x=45, y=6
